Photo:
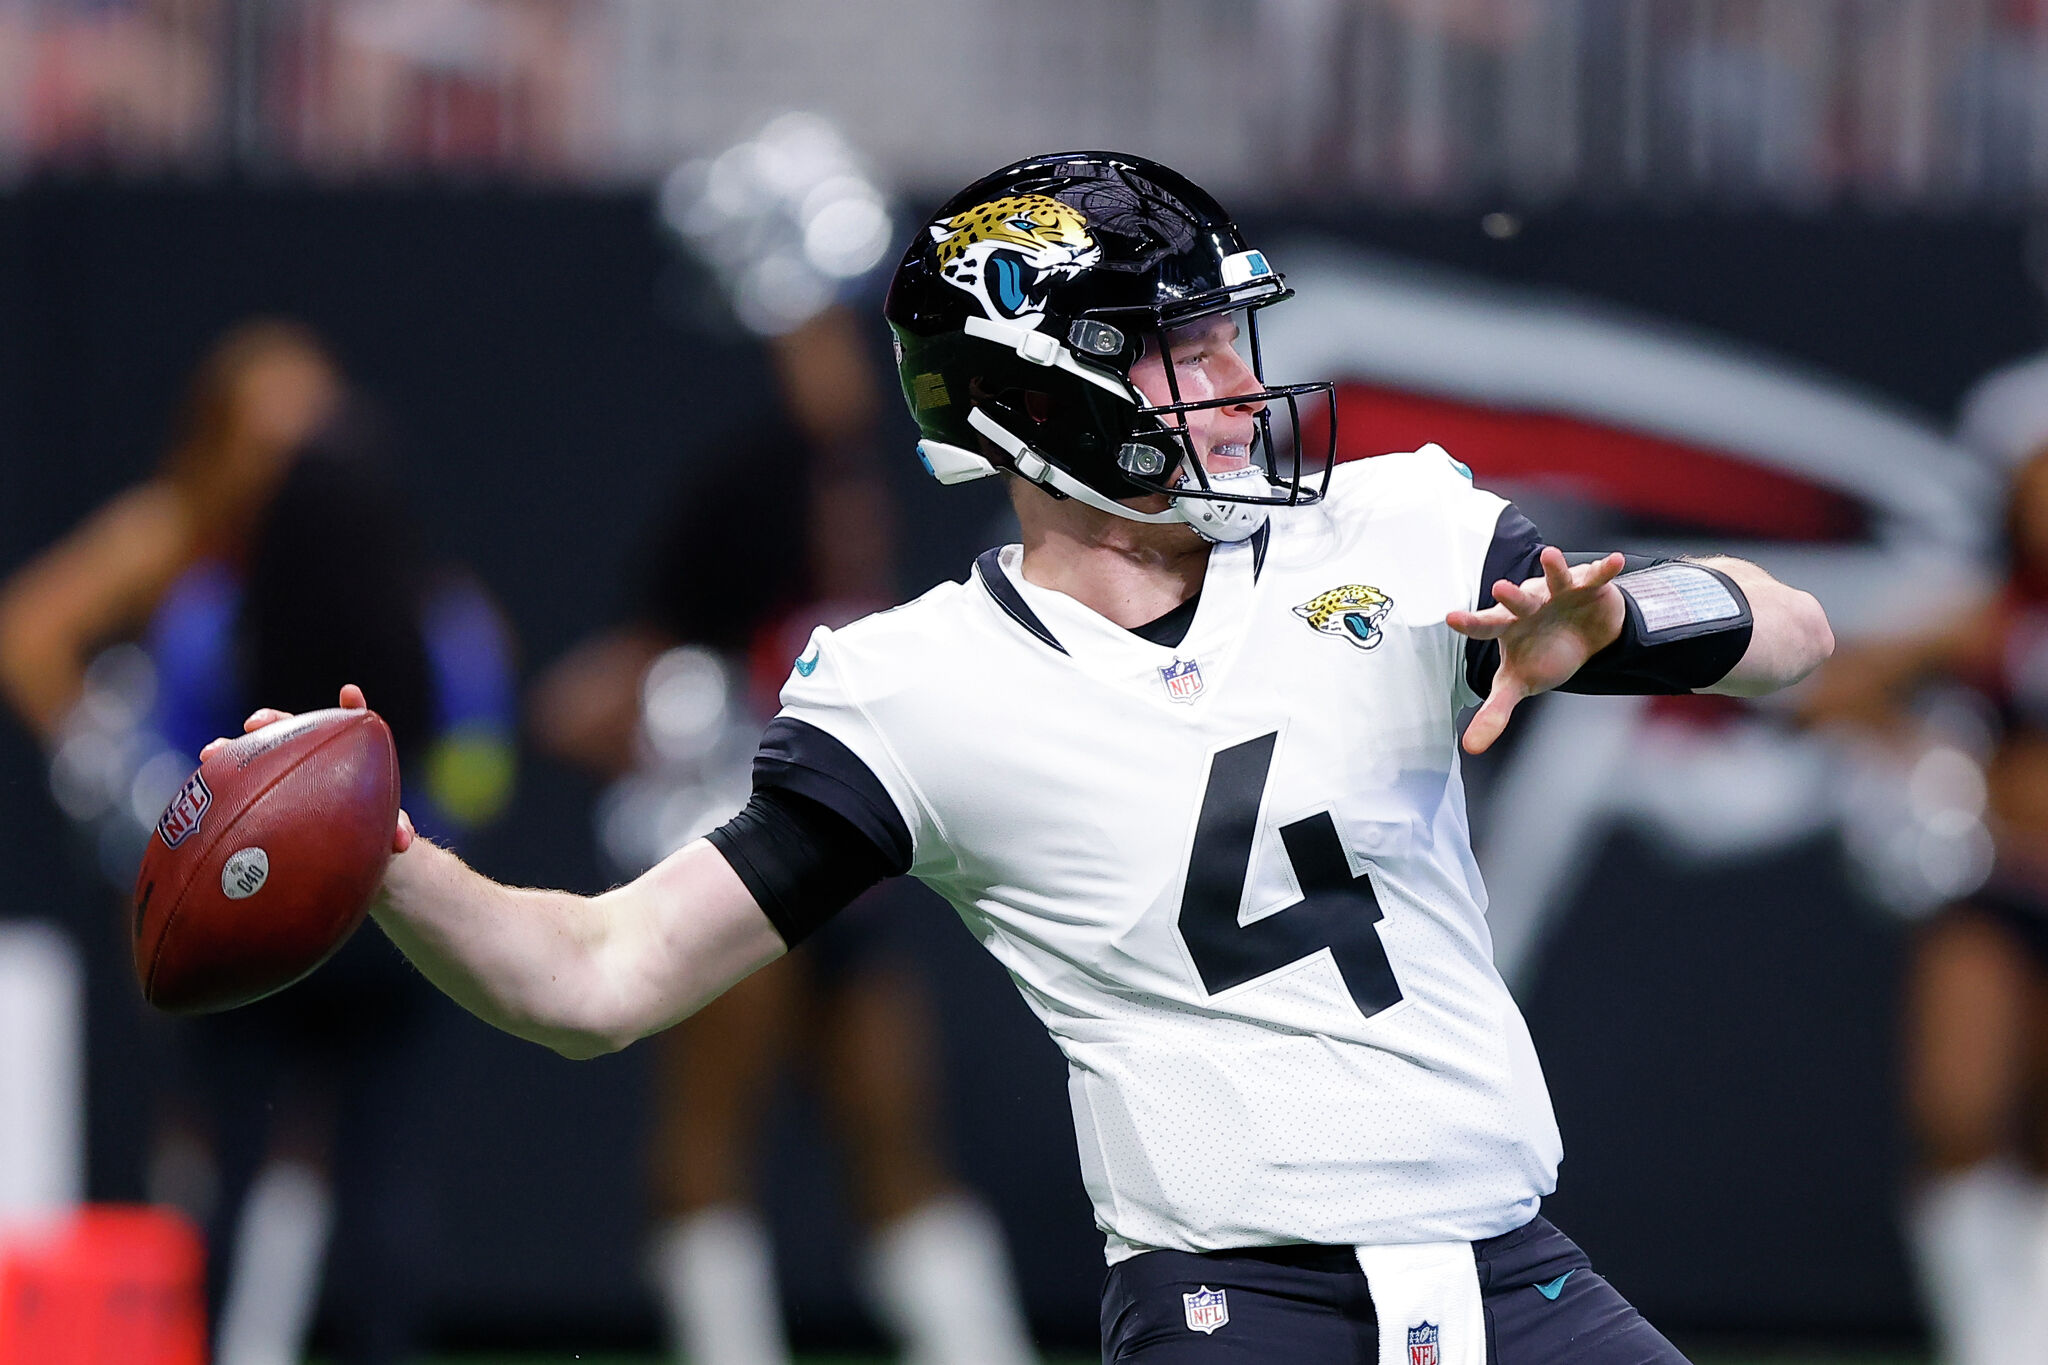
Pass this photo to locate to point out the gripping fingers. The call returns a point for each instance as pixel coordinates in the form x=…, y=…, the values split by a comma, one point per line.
x=256, y=721
x=351, y=700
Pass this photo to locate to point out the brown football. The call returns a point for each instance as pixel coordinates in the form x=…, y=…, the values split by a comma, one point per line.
x=265, y=861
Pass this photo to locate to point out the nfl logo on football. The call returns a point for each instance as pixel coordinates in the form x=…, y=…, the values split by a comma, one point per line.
x=1422, y=1344
x=1207, y=1310
x=1183, y=679
x=185, y=812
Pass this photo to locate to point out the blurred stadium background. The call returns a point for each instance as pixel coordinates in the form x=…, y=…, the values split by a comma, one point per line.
x=1676, y=272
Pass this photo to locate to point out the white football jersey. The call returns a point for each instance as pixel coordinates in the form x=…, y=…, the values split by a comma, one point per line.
x=1232, y=877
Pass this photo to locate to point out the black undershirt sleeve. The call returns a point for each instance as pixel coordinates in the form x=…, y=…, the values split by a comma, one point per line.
x=1516, y=555
x=796, y=756
x=803, y=862
x=819, y=830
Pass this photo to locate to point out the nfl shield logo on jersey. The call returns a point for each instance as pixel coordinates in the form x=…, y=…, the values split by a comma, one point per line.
x=1422, y=1344
x=1183, y=679
x=1207, y=1310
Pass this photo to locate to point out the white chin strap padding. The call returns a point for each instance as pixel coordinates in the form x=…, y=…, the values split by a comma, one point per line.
x=1223, y=522
x=1227, y=522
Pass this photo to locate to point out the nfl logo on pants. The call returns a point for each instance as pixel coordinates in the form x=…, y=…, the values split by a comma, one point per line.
x=1422, y=1344
x=1207, y=1310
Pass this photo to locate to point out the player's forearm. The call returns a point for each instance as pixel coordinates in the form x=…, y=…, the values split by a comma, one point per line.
x=1790, y=637
x=688, y=930
x=581, y=975
x=521, y=960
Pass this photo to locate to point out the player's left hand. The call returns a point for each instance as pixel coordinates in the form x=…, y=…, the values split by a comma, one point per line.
x=1547, y=627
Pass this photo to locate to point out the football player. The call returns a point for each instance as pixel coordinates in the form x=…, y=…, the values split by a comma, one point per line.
x=1186, y=762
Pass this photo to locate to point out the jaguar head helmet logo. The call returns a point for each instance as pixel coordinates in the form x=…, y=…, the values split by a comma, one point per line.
x=1009, y=252
x=1353, y=612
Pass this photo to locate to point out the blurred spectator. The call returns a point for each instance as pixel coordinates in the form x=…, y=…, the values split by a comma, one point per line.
x=1976, y=1015
x=267, y=556
x=792, y=530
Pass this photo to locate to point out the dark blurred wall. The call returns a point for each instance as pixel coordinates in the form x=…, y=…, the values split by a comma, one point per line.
x=1723, y=1076
x=1914, y=307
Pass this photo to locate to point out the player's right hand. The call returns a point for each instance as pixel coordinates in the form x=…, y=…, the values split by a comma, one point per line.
x=352, y=699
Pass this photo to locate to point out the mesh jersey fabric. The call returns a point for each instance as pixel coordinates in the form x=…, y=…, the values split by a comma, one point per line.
x=1120, y=846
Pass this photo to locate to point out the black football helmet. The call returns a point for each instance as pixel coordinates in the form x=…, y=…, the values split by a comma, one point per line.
x=1020, y=309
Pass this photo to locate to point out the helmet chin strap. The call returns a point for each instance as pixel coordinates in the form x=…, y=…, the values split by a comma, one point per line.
x=1221, y=522
x=1226, y=523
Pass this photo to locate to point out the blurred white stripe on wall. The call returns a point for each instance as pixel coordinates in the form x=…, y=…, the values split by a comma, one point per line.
x=42, y=1074
x=1706, y=788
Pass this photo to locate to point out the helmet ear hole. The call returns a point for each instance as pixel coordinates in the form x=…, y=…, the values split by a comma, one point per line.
x=1017, y=406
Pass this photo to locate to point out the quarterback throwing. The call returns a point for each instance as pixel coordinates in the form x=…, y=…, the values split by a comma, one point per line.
x=1185, y=761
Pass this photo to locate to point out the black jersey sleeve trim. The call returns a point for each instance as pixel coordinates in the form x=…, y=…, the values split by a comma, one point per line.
x=796, y=756
x=1515, y=555
x=989, y=565
x=801, y=861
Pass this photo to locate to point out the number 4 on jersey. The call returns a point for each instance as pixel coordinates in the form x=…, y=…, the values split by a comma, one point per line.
x=1336, y=911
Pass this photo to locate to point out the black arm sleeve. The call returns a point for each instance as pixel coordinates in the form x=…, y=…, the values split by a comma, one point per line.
x=819, y=830
x=1642, y=662
x=1687, y=625
x=803, y=862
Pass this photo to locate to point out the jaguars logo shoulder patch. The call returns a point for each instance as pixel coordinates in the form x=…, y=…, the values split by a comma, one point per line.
x=1009, y=252
x=1352, y=612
